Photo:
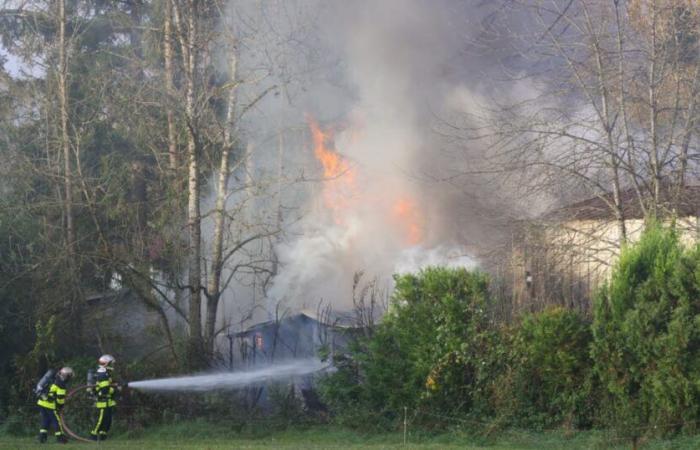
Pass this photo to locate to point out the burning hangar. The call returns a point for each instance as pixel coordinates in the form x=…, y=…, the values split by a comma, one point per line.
x=304, y=334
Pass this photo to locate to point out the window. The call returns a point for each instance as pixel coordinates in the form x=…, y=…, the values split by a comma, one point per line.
x=259, y=345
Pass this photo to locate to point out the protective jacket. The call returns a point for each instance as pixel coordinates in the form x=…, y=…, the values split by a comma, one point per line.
x=104, y=389
x=55, y=396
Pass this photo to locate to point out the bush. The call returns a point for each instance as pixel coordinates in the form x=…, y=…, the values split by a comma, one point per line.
x=548, y=378
x=20, y=425
x=635, y=367
x=647, y=336
x=430, y=352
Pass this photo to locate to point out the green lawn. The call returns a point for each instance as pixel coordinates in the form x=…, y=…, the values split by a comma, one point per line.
x=207, y=436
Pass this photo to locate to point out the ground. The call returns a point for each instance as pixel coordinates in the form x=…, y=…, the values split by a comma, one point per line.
x=206, y=436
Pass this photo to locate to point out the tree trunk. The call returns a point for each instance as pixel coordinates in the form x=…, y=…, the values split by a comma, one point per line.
x=135, y=38
x=653, y=111
x=169, y=86
x=195, y=345
x=214, y=286
x=65, y=138
x=615, y=153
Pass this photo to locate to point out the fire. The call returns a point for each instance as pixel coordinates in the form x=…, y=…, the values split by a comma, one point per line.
x=407, y=214
x=342, y=197
x=339, y=188
x=334, y=166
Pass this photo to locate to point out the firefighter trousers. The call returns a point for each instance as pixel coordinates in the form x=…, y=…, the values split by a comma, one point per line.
x=49, y=420
x=104, y=423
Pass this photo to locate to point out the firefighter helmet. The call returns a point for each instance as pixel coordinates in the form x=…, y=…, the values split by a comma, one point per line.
x=65, y=373
x=106, y=361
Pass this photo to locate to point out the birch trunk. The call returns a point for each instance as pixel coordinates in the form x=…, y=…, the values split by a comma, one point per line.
x=65, y=138
x=194, y=231
x=169, y=85
x=217, y=263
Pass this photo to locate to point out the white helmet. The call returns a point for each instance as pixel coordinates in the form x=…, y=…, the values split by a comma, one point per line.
x=65, y=373
x=106, y=361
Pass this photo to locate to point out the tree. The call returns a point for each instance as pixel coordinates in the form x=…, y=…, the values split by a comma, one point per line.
x=606, y=102
x=128, y=117
x=645, y=337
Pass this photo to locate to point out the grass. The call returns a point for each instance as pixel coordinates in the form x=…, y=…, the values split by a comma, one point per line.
x=204, y=435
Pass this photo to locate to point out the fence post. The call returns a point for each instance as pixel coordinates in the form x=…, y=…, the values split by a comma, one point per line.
x=405, y=424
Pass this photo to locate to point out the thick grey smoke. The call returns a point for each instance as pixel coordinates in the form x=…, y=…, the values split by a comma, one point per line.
x=382, y=216
x=377, y=77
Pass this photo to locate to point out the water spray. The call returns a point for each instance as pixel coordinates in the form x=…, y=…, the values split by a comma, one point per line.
x=215, y=381
x=231, y=380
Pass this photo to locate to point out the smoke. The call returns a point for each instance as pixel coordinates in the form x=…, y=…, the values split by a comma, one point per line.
x=231, y=380
x=397, y=58
x=416, y=258
x=378, y=78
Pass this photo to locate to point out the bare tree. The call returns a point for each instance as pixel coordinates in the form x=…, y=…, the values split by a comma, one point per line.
x=605, y=103
x=168, y=71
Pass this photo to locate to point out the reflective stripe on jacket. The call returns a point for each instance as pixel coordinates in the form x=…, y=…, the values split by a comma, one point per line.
x=55, y=397
x=104, y=391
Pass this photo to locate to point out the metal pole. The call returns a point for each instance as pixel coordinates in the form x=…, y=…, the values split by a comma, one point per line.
x=230, y=351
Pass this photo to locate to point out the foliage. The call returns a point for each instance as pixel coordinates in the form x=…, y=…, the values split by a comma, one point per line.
x=17, y=303
x=647, y=336
x=548, y=380
x=429, y=352
x=635, y=367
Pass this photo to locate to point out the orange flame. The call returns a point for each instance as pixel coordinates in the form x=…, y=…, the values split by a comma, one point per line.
x=340, y=193
x=408, y=215
x=339, y=175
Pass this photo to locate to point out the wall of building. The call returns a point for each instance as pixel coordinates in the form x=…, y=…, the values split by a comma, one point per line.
x=119, y=323
x=564, y=264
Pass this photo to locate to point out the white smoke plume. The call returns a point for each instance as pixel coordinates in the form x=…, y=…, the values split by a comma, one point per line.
x=376, y=77
x=379, y=216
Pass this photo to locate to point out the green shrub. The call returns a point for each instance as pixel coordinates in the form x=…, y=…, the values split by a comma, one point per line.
x=20, y=424
x=548, y=378
x=647, y=336
x=430, y=352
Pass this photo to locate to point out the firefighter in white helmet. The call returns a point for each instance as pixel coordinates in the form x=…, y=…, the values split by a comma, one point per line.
x=105, y=391
x=51, y=390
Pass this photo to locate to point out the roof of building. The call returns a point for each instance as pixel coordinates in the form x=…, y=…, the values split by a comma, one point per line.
x=331, y=318
x=97, y=297
x=598, y=208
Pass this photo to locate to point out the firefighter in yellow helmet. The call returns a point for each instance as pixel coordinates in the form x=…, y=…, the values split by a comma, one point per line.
x=105, y=392
x=51, y=390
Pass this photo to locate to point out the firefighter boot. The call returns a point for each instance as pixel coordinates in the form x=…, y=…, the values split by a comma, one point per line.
x=61, y=438
x=93, y=436
x=43, y=435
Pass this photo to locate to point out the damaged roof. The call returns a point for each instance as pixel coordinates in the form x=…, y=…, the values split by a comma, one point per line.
x=331, y=319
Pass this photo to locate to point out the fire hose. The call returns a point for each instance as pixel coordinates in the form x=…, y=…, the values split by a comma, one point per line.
x=65, y=426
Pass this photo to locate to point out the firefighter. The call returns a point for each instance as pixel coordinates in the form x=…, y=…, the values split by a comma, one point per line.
x=52, y=397
x=105, y=392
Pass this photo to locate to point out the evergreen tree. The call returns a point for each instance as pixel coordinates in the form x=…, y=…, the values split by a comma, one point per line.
x=647, y=336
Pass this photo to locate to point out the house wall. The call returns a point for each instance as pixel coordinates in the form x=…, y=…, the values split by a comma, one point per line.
x=289, y=338
x=593, y=246
x=120, y=324
x=568, y=261
x=293, y=337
